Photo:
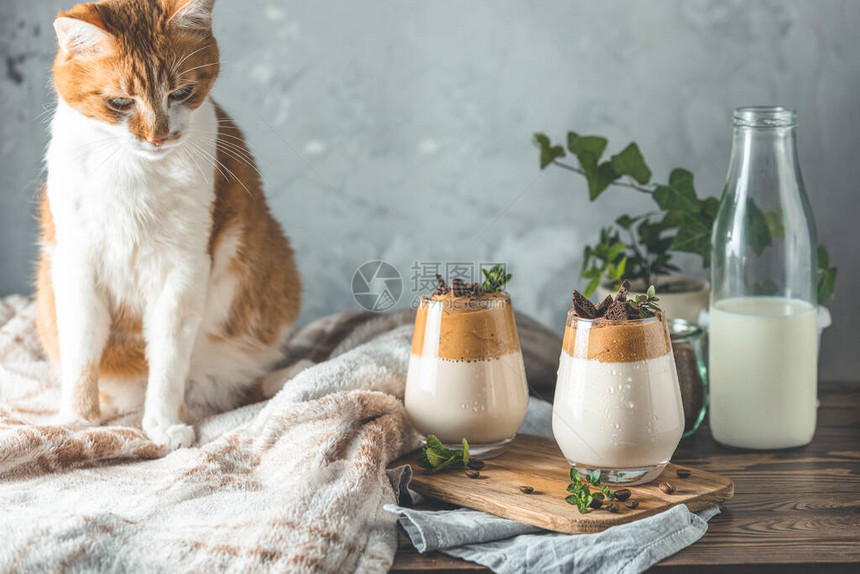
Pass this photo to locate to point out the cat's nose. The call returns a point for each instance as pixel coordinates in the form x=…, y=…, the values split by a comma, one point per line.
x=157, y=142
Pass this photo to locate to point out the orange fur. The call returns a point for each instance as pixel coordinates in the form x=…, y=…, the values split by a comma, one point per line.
x=127, y=68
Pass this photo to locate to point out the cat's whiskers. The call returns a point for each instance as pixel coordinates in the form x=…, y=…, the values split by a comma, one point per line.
x=191, y=157
x=236, y=151
x=175, y=66
x=94, y=146
x=239, y=158
x=220, y=165
x=47, y=113
x=183, y=72
x=199, y=152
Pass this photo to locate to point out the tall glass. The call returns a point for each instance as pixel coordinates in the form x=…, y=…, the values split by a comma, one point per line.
x=466, y=374
x=617, y=401
x=763, y=313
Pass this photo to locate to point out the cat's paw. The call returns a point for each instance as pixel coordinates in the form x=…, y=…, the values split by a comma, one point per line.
x=72, y=419
x=171, y=435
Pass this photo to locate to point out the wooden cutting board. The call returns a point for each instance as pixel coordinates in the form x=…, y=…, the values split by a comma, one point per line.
x=537, y=461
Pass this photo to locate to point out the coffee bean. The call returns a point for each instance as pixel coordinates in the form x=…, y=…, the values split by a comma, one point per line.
x=527, y=489
x=667, y=487
x=612, y=507
x=596, y=503
x=622, y=494
x=475, y=464
x=682, y=473
x=631, y=503
x=473, y=473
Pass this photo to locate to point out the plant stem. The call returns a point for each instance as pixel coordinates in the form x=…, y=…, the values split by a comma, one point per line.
x=647, y=264
x=629, y=184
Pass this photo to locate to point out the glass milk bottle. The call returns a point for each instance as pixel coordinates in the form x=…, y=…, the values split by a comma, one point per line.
x=763, y=312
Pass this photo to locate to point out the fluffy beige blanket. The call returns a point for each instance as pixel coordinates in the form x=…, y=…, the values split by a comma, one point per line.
x=295, y=483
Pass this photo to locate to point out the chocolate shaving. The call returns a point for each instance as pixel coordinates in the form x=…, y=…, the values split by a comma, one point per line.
x=622, y=293
x=617, y=311
x=442, y=287
x=603, y=306
x=458, y=287
x=583, y=307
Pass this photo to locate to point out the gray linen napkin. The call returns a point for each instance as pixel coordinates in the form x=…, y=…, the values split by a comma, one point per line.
x=506, y=546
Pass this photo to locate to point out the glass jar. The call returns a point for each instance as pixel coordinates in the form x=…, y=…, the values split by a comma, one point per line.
x=762, y=335
x=466, y=374
x=617, y=403
x=692, y=374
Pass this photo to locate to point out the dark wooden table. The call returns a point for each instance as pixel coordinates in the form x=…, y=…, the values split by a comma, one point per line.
x=793, y=511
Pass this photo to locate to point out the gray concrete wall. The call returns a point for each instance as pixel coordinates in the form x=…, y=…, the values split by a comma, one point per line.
x=401, y=130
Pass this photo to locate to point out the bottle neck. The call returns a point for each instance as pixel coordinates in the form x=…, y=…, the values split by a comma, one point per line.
x=763, y=153
x=764, y=145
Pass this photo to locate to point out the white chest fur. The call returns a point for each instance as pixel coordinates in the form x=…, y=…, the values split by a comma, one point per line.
x=130, y=219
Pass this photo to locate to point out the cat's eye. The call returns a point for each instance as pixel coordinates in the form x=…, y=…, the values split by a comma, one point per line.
x=121, y=104
x=181, y=94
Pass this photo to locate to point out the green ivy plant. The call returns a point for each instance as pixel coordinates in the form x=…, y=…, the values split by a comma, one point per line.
x=642, y=246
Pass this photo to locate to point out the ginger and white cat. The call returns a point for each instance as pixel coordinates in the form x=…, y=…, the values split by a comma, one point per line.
x=163, y=277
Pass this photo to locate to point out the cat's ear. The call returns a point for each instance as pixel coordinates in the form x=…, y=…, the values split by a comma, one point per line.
x=81, y=38
x=191, y=14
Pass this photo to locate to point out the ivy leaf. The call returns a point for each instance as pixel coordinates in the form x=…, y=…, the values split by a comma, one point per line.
x=694, y=236
x=580, y=145
x=629, y=161
x=680, y=177
x=680, y=194
x=626, y=222
x=773, y=219
x=599, y=178
x=710, y=206
x=672, y=220
x=766, y=287
x=588, y=150
x=823, y=257
x=758, y=234
x=548, y=152
x=826, y=276
x=827, y=285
